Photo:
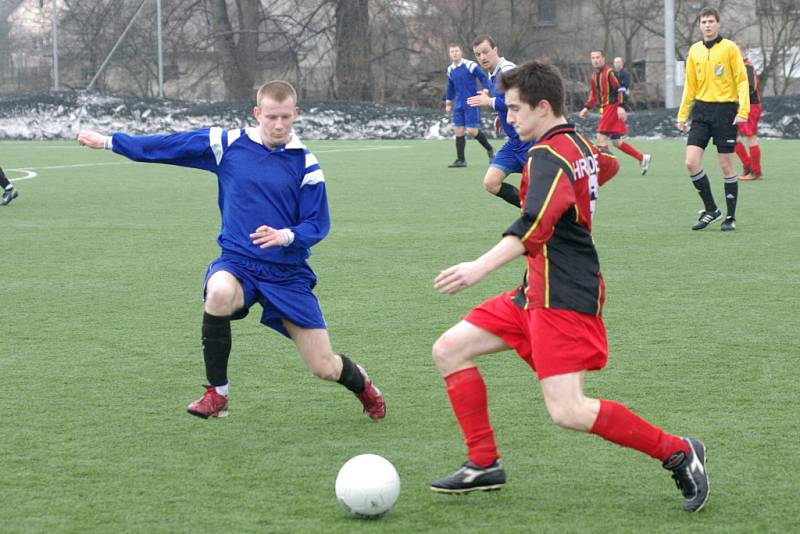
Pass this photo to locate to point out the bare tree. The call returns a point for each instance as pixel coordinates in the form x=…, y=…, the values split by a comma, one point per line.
x=237, y=45
x=779, y=42
x=352, y=45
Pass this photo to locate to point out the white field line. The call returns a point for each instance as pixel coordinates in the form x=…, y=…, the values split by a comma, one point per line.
x=30, y=172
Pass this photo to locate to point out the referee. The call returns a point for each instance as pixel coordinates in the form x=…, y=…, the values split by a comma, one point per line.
x=716, y=91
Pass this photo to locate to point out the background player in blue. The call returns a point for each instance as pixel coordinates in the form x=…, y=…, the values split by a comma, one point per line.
x=513, y=155
x=274, y=207
x=461, y=77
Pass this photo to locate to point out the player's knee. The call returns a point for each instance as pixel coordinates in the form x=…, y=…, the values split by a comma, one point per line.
x=472, y=132
x=445, y=353
x=491, y=185
x=219, y=300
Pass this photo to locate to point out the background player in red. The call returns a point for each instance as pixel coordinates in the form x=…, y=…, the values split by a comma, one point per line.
x=748, y=131
x=606, y=90
x=554, y=319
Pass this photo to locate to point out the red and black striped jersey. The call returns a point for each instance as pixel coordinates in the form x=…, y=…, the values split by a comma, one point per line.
x=558, y=192
x=604, y=87
x=754, y=82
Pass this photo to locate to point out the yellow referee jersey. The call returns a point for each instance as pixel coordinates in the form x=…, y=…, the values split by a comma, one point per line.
x=715, y=74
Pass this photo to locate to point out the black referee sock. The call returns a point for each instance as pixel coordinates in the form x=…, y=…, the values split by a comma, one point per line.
x=703, y=187
x=460, y=144
x=216, y=348
x=351, y=377
x=481, y=138
x=509, y=193
x=731, y=194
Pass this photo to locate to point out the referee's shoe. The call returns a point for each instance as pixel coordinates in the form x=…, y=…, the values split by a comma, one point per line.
x=706, y=218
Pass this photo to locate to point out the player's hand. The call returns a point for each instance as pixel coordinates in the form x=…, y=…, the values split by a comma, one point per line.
x=739, y=120
x=583, y=113
x=622, y=114
x=266, y=236
x=682, y=126
x=448, y=106
x=459, y=277
x=480, y=99
x=92, y=139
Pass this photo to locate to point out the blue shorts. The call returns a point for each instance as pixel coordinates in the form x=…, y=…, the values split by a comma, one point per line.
x=284, y=291
x=512, y=156
x=469, y=117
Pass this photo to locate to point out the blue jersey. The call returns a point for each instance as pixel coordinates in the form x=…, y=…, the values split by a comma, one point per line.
x=281, y=187
x=461, y=83
x=498, y=102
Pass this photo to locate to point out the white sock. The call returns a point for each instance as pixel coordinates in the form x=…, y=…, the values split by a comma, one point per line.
x=223, y=390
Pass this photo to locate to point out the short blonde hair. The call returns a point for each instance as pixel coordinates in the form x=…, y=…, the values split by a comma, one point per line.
x=277, y=90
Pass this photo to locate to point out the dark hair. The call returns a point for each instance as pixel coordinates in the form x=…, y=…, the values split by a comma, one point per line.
x=537, y=81
x=602, y=52
x=708, y=12
x=454, y=44
x=481, y=38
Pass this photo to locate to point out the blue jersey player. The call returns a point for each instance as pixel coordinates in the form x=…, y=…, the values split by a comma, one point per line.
x=513, y=155
x=274, y=208
x=462, y=75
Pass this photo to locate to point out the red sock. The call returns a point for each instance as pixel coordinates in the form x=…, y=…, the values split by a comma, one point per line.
x=629, y=150
x=467, y=392
x=617, y=424
x=755, y=158
x=741, y=151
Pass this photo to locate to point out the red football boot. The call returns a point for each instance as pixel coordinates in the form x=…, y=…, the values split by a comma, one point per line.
x=211, y=404
x=371, y=398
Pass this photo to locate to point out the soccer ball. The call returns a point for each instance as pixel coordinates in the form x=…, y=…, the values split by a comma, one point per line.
x=367, y=486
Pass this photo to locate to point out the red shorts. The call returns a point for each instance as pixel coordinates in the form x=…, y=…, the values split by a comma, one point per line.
x=750, y=128
x=552, y=341
x=609, y=122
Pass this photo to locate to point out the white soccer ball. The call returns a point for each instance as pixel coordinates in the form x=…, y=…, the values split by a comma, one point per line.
x=367, y=486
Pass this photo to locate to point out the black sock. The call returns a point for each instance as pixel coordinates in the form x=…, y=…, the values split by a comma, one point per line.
x=481, y=138
x=460, y=143
x=3, y=180
x=216, y=348
x=509, y=193
x=731, y=194
x=703, y=187
x=351, y=377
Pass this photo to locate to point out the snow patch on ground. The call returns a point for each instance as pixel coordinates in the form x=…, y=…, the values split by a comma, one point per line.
x=63, y=115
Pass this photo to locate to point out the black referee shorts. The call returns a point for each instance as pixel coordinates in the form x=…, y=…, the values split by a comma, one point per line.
x=714, y=119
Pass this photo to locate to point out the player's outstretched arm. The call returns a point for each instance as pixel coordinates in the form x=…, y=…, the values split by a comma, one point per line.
x=92, y=139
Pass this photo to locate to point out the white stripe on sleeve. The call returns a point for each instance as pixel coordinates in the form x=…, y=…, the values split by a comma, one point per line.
x=311, y=160
x=215, y=140
x=233, y=135
x=312, y=178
